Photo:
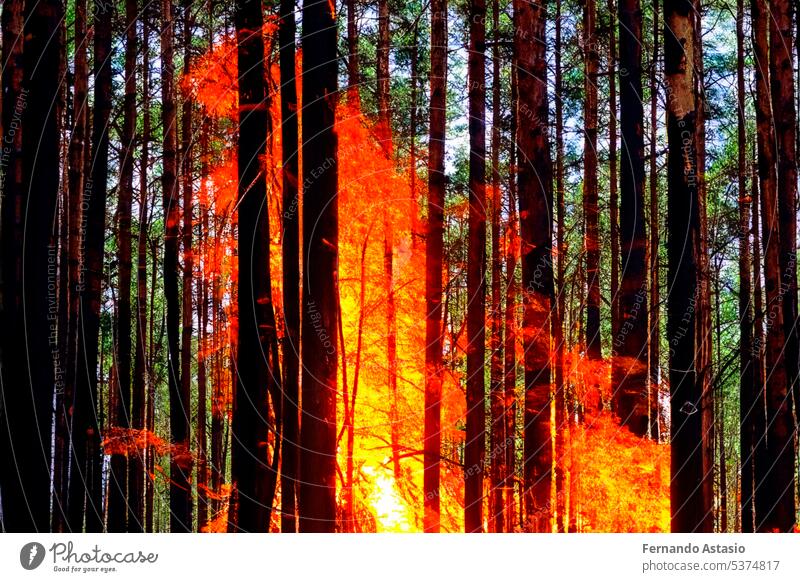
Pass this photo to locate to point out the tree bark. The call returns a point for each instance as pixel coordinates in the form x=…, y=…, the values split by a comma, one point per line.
x=256, y=412
x=186, y=239
x=317, y=496
x=434, y=244
x=499, y=438
x=746, y=347
x=179, y=488
x=691, y=509
x=654, y=338
x=475, y=445
x=781, y=455
x=29, y=259
x=629, y=381
x=291, y=267
x=535, y=211
x=118, y=478
x=136, y=470
x=558, y=321
x=591, y=241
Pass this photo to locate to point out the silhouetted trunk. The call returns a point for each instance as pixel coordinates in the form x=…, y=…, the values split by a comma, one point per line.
x=434, y=243
x=499, y=439
x=475, y=444
x=613, y=178
x=202, y=323
x=558, y=320
x=136, y=473
x=629, y=374
x=291, y=267
x=28, y=369
x=691, y=509
x=535, y=211
x=746, y=346
x=118, y=477
x=86, y=484
x=704, y=341
x=591, y=241
x=256, y=406
x=654, y=338
x=78, y=169
x=187, y=251
x=180, y=461
x=781, y=454
x=317, y=496
x=353, y=69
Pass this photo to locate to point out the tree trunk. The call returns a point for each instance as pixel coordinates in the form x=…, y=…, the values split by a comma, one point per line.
x=746, y=346
x=654, y=339
x=179, y=488
x=781, y=454
x=253, y=478
x=118, y=478
x=535, y=211
x=499, y=438
x=136, y=473
x=353, y=69
x=613, y=179
x=510, y=340
x=186, y=236
x=384, y=128
x=317, y=496
x=591, y=242
x=475, y=445
x=434, y=246
x=291, y=268
x=558, y=321
x=630, y=367
x=758, y=418
x=27, y=392
x=691, y=509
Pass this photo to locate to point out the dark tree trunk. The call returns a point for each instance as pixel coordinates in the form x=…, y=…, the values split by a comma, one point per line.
x=179, y=488
x=78, y=171
x=535, y=211
x=781, y=455
x=746, y=346
x=29, y=259
x=654, y=339
x=188, y=256
x=291, y=268
x=85, y=487
x=499, y=439
x=136, y=472
x=475, y=445
x=255, y=422
x=629, y=373
x=691, y=509
x=317, y=495
x=353, y=69
x=591, y=241
x=613, y=179
x=558, y=320
x=434, y=244
x=118, y=477
x=774, y=366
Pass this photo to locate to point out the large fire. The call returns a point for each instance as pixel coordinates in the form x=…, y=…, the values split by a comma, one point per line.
x=617, y=482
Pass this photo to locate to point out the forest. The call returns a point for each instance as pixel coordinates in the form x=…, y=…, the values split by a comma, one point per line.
x=399, y=266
